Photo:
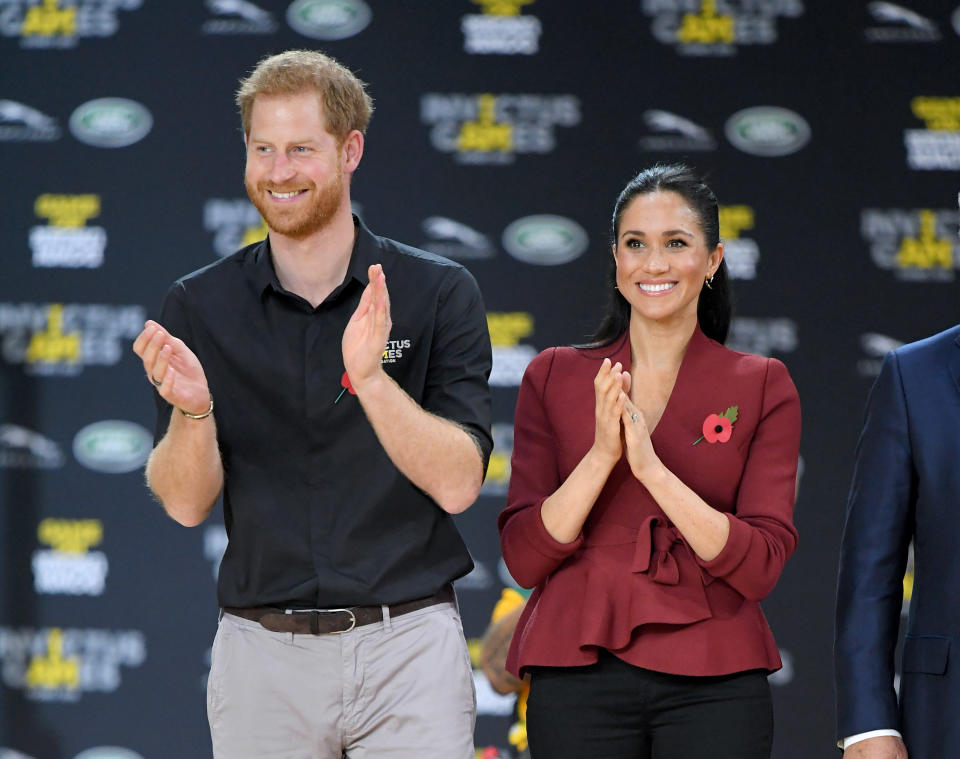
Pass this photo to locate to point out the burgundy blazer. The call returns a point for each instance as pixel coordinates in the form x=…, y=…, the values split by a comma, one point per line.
x=629, y=583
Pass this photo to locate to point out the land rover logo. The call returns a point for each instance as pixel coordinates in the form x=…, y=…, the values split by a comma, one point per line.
x=107, y=752
x=328, y=19
x=112, y=446
x=545, y=240
x=110, y=122
x=767, y=131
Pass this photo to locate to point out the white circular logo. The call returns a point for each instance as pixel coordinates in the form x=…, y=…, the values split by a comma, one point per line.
x=111, y=122
x=112, y=446
x=767, y=131
x=545, y=240
x=108, y=752
x=328, y=19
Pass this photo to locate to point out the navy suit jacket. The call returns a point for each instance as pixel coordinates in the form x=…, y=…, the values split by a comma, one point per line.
x=906, y=486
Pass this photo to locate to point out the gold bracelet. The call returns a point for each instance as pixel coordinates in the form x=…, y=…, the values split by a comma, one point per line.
x=204, y=415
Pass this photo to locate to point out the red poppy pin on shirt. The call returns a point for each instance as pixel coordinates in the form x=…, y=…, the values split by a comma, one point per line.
x=345, y=382
x=717, y=428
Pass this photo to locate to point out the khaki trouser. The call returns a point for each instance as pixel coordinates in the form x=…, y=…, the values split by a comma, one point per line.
x=397, y=689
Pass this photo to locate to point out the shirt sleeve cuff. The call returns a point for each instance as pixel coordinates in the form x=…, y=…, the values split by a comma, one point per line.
x=548, y=545
x=848, y=742
x=733, y=553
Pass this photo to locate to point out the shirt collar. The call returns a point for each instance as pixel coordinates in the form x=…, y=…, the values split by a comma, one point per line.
x=366, y=252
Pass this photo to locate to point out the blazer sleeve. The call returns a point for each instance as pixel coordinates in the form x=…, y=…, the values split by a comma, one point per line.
x=529, y=551
x=873, y=558
x=762, y=536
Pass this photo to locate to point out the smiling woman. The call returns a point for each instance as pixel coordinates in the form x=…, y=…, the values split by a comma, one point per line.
x=649, y=556
x=693, y=206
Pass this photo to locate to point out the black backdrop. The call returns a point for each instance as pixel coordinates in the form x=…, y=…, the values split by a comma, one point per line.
x=504, y=130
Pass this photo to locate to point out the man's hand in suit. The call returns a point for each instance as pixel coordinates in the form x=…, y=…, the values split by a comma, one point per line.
x=881, y=747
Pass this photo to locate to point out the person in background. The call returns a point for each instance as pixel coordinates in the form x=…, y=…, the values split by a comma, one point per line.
x=650, y=505
x=350, y=424
x=493, y=660
x=905, y=488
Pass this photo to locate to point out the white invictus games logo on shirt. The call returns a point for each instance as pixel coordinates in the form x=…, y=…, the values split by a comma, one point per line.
x=394, y=350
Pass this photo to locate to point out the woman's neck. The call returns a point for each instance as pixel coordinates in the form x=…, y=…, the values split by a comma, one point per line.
x=659, y=346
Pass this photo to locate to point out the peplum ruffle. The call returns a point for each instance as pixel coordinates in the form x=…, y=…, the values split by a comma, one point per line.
x=592, y=592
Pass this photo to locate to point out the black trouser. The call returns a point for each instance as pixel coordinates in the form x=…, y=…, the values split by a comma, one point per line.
x=613, y=710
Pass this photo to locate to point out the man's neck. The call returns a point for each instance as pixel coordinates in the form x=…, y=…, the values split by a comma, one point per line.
x=314, y=266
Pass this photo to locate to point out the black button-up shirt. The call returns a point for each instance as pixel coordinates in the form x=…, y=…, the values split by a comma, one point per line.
x=316, y=513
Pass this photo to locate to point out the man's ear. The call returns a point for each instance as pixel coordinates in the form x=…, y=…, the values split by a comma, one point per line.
x=352, y=151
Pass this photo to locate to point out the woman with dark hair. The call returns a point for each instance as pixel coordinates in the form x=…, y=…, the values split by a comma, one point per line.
x=650, y=505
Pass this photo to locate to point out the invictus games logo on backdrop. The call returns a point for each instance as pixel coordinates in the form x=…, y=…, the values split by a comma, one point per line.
x=111, y=122
x=938, y=146
x=61, y=339
x=329, y=19
x=21, y=123
x=545, y=240
x=235, y=223
x=65, y=241
x=494, y=129
x=741, y=253
x=763, y=336
x=897, y=23
x=22, y=448
x=917, y=245
x=498, y=470
x=768, y=131
x=672, y=133
x=454, y=239
x=61, y=664
x=237, y=17
x=68, y=566
x=500, y=29
x=510, y=356
x=717, y=27
x=61, y=23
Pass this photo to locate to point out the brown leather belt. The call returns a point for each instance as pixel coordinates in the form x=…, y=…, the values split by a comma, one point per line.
x=324, y=621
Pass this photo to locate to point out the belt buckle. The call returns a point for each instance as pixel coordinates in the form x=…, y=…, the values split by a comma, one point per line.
x=353, y=620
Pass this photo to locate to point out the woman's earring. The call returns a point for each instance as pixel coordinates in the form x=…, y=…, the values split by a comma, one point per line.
x=708, y=281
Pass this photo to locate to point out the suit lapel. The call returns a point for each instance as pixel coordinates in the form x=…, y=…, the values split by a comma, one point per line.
x=953, y=362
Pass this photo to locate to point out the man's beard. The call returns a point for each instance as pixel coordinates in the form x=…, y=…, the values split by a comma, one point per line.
x=298, y=222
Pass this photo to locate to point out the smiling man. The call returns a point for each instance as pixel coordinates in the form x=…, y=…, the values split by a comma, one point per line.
x=344, y=425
